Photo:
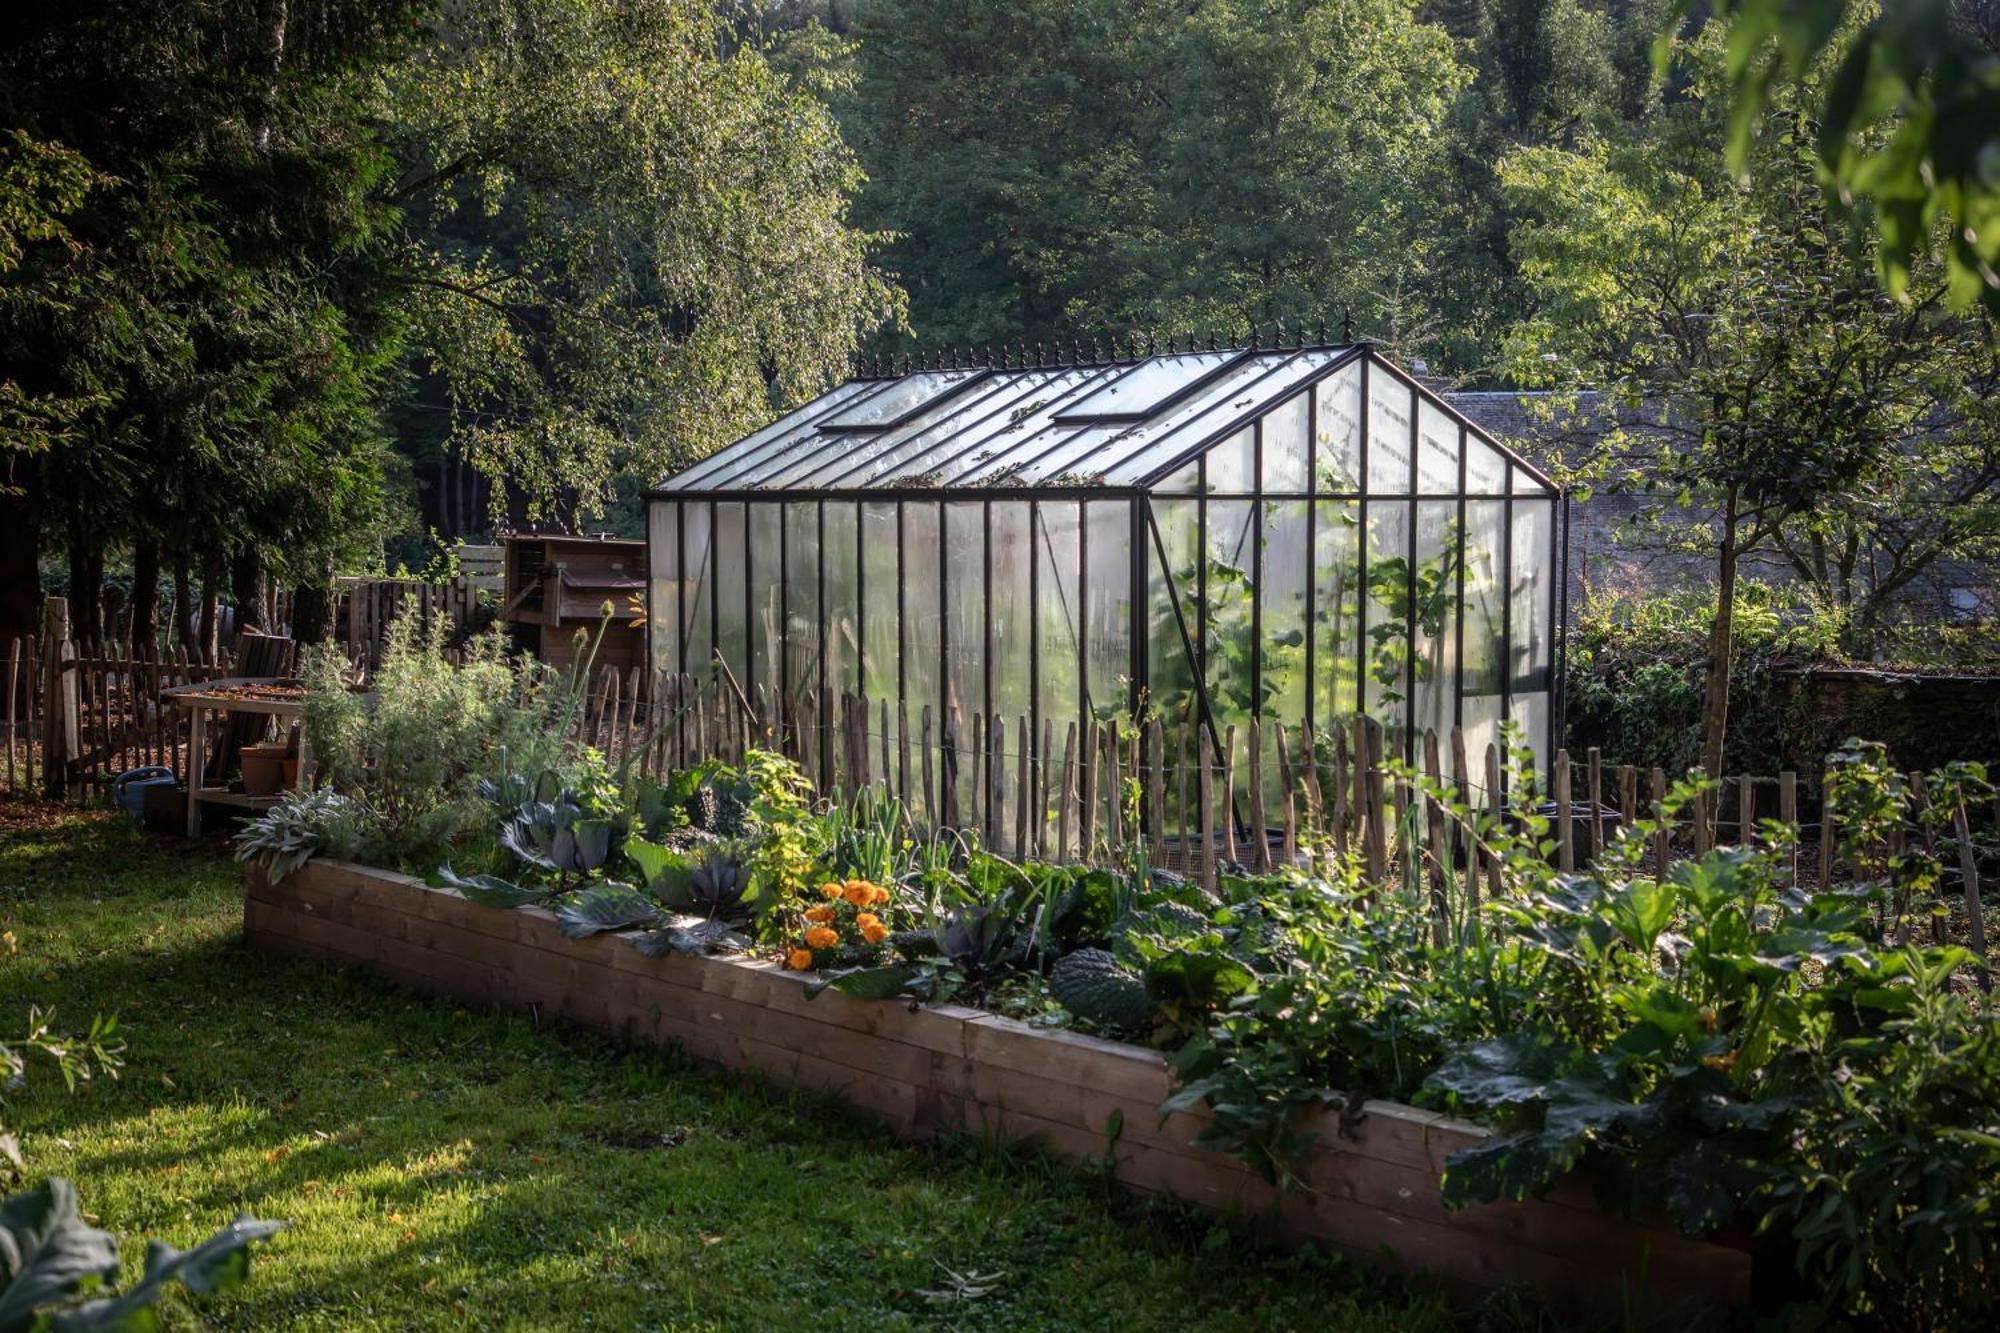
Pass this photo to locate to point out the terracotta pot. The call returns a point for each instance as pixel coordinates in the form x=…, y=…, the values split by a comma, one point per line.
x=291, y=772
x=263, y=768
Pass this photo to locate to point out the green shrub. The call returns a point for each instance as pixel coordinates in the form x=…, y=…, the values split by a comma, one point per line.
x=413, y=752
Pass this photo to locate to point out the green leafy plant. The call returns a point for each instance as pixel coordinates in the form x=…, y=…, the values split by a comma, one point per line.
x=301, y=826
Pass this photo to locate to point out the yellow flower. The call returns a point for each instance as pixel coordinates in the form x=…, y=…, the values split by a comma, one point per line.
x=799, y=960
x=875, y=933
x=13, y=945
x=866, y=919
x=829, y=890
x=822, y=937
x=820, y=915
x=859, y=892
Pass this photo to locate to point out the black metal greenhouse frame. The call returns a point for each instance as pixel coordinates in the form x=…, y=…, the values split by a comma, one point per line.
x=1149, y=565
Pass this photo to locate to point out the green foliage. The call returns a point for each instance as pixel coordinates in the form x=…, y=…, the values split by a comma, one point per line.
x=301, y=826
x=1093, y=985
x=1905, y=125
x=415, y=755
x=58, y=1268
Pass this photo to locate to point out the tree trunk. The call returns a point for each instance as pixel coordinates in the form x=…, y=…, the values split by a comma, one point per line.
x=20, y=552
x=211, y=575
x=86, y=581
x=312, y=613
x=246, y=589
x=183, y=619
x=146, y=595
x=1721, y=646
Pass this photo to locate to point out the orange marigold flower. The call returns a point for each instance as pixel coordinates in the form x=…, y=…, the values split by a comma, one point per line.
x=830, y=889
x=866, y=919
x=881, y=895
x=875, y=933
x=822, y=937
x=799, y=959
x=821, y=915
x=859, y=892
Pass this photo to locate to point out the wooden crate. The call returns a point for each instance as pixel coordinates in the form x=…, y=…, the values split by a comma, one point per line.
x=1373, y=1189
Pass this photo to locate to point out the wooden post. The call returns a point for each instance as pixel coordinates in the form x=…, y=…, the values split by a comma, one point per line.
x=1114, y=815
x=1087, y=781
x=1494, y=814
x=1565, y=816
x=1368, y=766
x=1290, y=845
x=1434, y=812
x=1156, y=783
x=1181, y=825
x=1045, y=762
x=1024, y=787
x=1068, y=793
x=1660, y=838
x=1746, y=809
x=903, y=757
x=1595, y=846
x=59, y=698
x=1207, y=801
x=1968, y=868
x=1826, y=832
x=1260, y=840
x=1920, y=807
x=1628, y=794
x=1705, y=821
x=1229, y=793
x=13, y=701
x=1315, y=816
x=1788, y=814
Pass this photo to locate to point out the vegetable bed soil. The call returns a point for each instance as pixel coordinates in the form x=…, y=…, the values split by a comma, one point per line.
x=1371, y=1182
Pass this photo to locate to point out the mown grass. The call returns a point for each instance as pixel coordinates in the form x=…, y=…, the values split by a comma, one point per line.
x=445, y=1168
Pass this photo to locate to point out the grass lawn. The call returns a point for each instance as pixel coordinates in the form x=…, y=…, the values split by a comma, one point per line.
x=440, y=1167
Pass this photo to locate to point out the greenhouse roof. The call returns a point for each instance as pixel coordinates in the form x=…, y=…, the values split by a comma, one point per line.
x=1120, y=426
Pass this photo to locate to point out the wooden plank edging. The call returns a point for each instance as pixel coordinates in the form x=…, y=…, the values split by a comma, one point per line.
x=1373, y=1191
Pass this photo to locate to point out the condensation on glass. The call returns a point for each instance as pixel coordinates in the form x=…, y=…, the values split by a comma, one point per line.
x=1206, y=538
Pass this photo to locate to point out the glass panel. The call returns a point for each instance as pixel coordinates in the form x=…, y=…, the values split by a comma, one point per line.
x=1171, y=671
x=1141, y=450
x=881, y=644
x=1390, y=403
x=899, y=399
x=1338, y=432
x=1436, y=617
x=1485, y=468
x=1185, y=482
x=1010, y=629
x=965, y=647
x=1058, y=593
x=921, y=566
x=1065, y=453
x=802, y=616
x=841, y=456
x=1142, y=389
x=1232, y=465
x=1283, y=637
x=1388, y=627
x=1336, y=594
x=1531, y=651
x=1287, y=463
x=663, y=591
x=1009, y=437
x=697, y=558
x=732, y=457
x=841, y=556
x=1437, y=450
x=731, y=589
x=1231, y=640
x=766, y=581
x=1485, y=522
x=1107, y=637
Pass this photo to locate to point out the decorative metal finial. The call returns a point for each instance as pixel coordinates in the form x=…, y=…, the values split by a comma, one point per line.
x=1320, y=335
x=1346, y=325
x=1256, y=337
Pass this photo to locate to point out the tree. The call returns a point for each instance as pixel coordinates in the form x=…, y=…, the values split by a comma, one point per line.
x=1049, y=167
x=1907, y=128
x=1765, y=381
x=619, y=242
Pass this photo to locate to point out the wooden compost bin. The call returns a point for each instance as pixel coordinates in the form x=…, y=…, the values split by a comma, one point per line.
x=1373, y=1192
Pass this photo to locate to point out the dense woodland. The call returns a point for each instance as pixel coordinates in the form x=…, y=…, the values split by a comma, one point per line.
x=290, y=288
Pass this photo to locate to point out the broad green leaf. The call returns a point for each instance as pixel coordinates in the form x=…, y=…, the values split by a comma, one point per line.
x=609, y=906
x=490, y=890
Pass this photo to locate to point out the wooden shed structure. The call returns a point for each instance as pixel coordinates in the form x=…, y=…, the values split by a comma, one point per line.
x=557, y=588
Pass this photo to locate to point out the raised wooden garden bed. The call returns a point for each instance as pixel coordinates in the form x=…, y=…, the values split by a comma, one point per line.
x=1374, y=1190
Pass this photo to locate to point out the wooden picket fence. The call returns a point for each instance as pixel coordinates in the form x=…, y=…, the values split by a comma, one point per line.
x=366, y=607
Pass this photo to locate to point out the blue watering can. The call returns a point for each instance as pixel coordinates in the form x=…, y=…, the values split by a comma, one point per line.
x=129, y=789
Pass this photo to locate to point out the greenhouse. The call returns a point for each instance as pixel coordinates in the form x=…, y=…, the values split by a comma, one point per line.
x=1201, y=537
